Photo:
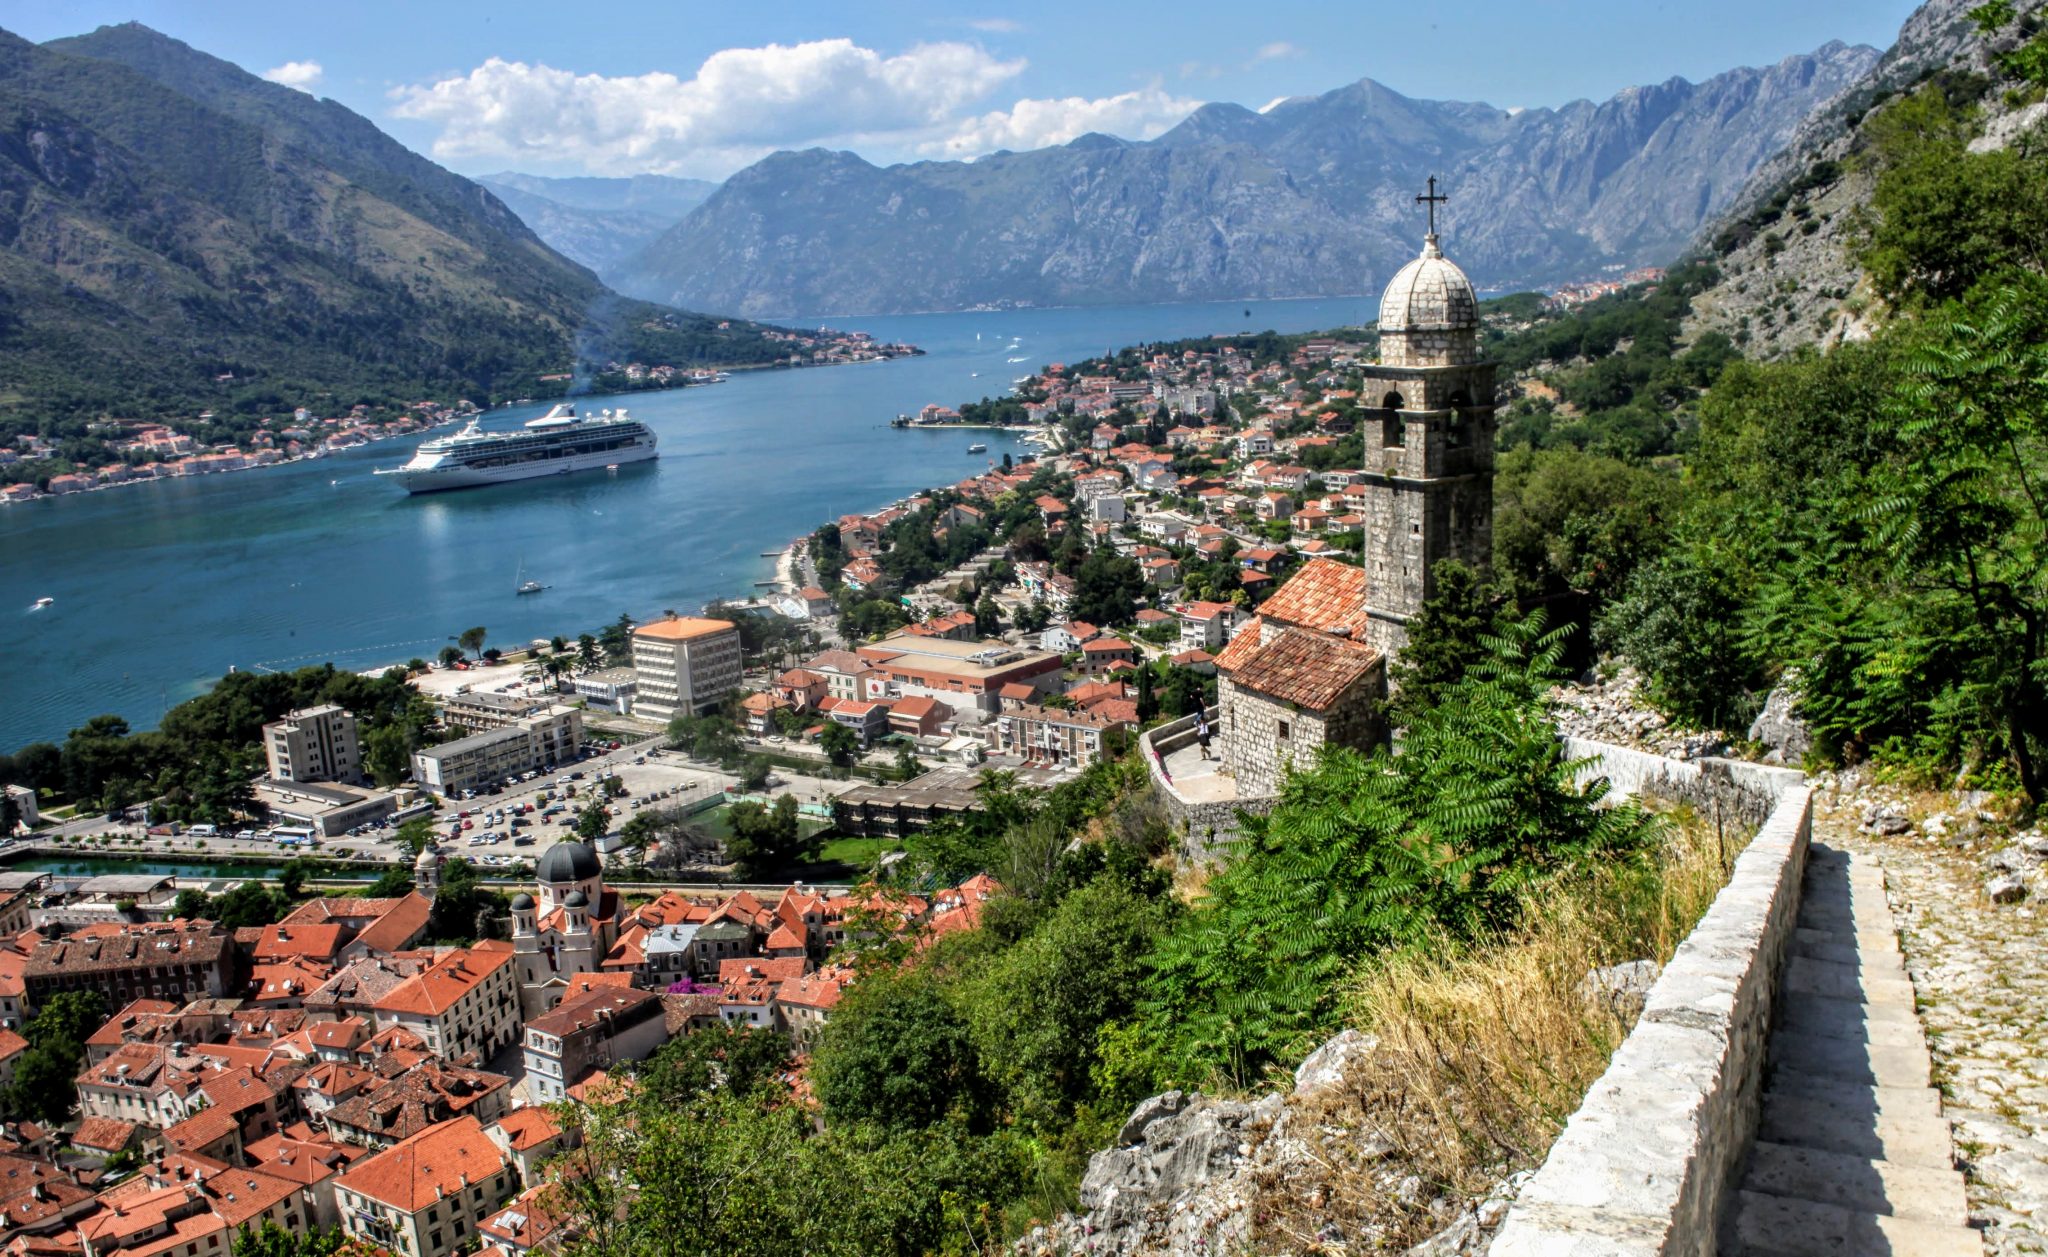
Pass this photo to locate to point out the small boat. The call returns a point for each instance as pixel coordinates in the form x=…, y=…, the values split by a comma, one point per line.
x=41, y=603
x=977, y=448
x=526, y=586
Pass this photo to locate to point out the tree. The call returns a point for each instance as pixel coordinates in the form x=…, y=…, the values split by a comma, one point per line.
x=1443, y=840
x=766, y=840
x=450, y=654
x=1148, y=701
x=839, y=743
x=44, y=1085
x=387, y=754
x=1107, y=587
x=988, y=617
x=897, y=1053
x=1445, y=639
x=274, y=1241
x=472, y=640
x=465, y=910
x=593, y=822
x=586, y=652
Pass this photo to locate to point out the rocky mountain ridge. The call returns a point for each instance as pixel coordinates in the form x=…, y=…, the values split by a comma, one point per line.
x=1315, y=196
x=598, y=222
x=1783, y=245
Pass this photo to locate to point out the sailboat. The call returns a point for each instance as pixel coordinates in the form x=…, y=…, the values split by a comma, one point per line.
x=526, y=586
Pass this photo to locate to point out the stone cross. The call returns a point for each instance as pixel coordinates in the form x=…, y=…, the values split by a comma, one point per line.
x=1431, y=199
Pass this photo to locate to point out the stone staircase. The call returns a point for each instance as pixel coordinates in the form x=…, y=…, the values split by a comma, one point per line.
x=1852, y=1155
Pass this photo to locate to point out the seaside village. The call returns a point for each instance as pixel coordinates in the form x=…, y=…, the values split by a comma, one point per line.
x=1208, y=566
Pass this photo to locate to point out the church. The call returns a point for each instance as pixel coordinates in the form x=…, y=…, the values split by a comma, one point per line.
x=567, y=931
x=1311, y=666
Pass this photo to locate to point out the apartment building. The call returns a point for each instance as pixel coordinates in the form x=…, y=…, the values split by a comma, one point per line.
x=551, y=736
x=684, y=666
x=590, y=1030
x=313, y=744
x=465, y=1001
x=427, y=1195
x=1048, y=737
x=175, y=961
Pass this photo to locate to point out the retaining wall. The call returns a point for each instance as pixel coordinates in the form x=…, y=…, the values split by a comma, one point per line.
x=1203, y=827
x=1643, y=1166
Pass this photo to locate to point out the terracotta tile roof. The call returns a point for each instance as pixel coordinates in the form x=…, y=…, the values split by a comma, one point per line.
x=201, y=1130
x=1308, y=669
x=450, y=979
x=417, y=1171
x=745, y=968
x=527, y=1128
x=274, y=942
x=1242, y=646
x=784, y=937
x=592, y=1007
x=1324, y=595
x=916, y=707
x=104, y=1134
x=138, y=1012
x=399, y=927
x=416, y=1099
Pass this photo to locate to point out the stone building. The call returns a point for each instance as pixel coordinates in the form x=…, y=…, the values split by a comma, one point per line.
x=1310, y=668
x=1427, y=482
x=1297, y=675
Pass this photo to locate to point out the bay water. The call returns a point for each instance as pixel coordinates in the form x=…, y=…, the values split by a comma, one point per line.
x=160, y=588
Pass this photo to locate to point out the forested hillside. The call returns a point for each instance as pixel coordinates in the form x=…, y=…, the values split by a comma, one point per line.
x=177, y=235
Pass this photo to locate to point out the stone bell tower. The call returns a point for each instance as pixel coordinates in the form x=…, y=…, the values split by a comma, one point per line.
x=1428, y=424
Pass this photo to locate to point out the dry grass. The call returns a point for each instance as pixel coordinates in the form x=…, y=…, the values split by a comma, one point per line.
x=1482, y=1055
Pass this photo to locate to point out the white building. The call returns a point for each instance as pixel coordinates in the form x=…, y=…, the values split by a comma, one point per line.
x=425, y=1196
x=685, y=665
x=549, y=737
x=313, y=744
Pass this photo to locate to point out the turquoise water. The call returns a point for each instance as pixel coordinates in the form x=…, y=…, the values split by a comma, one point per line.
x=160, y=588
x=95, y=866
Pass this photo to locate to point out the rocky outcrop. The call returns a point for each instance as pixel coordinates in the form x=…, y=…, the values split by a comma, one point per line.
x=1313, y=197
x=1614, y=710
x=1778, y=728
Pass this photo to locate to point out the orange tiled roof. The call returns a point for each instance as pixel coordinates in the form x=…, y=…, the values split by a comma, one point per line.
x=1324, y=595
x=684, y=628
x=1242, y=647
x=1308, y=669
x=417, y=1171
x=448, y=981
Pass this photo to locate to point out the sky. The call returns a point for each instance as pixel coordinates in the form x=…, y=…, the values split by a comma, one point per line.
x=690, y=88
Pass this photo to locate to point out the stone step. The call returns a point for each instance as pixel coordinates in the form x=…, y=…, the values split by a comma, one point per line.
x=1854, y=1096
x=1773, y=1226
x=1876, y=1064
x=1864, y=950
x=1899, y=1138
x=1862, y=920
x=1807, y=976
x=1887, y=1024
x=1833, y=1178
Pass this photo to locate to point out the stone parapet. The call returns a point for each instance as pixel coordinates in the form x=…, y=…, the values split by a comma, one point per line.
x=1204, y=826
x=1644, y=1165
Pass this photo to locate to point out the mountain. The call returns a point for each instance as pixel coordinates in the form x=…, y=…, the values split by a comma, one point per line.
x=1783, y=243
x=177, y=235
x=1315, y=196
x=598, y=222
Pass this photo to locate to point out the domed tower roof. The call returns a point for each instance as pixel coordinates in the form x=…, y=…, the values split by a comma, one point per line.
x=429, y=858
x=569, y=862
x=576, y=899
x=1430, y=294
x=522, y=902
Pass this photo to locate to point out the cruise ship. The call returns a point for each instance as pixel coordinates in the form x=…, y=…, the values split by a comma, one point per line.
x=555, y=444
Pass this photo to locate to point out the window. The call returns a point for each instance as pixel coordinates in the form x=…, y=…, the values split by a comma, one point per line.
x=1283, y=730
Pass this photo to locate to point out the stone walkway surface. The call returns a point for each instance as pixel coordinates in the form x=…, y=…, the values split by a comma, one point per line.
x=1981, y=971
x=1852, y=1153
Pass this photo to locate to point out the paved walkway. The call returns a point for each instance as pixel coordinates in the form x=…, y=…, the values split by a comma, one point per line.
x=1198, y=780
x=1852, y=1153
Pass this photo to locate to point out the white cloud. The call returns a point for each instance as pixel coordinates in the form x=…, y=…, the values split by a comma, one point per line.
x=304, y=75
x=742, y=104
x=996, y=25
x=1138, y=115
x=1275, y=51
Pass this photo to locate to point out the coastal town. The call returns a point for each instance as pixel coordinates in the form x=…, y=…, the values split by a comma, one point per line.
x=112, y=452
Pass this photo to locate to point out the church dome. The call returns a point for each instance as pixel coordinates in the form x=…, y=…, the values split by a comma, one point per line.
x=569, y=862
x=576, y=899
x=522, y=902
x=1429, y=294
x=429, y=858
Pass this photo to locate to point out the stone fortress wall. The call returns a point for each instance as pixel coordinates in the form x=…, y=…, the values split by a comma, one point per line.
x=1646, y=1163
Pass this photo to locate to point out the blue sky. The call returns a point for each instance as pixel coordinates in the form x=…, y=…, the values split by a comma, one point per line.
x=702, y=89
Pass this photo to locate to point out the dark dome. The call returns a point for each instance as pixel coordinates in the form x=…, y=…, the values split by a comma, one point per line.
x=569, y=862
x=522, y=902
x=576, y=899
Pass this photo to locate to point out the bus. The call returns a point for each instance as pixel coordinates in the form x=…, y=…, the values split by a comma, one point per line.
x=294, y=836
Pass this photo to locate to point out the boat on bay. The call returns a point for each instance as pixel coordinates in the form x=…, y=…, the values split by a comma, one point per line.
x=977, y=448
x=557, y=443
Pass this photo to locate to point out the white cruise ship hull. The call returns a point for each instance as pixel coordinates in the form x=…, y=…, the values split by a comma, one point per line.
x=454, y=475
